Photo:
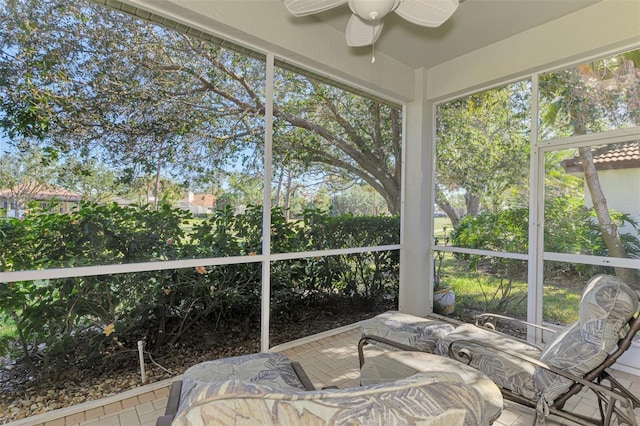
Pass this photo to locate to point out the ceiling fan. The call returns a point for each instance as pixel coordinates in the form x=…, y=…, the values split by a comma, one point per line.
x=365, y=25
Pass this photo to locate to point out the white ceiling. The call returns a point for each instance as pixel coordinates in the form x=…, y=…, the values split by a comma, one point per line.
x=475, y=24
x=485, y=41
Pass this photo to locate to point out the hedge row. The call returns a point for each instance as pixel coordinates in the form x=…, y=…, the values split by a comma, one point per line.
x=78, y=321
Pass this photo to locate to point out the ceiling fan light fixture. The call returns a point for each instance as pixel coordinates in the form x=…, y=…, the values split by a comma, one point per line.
x=365, y=24
x=372, y=9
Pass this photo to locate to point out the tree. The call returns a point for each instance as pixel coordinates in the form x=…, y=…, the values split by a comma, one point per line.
x=94, y=182
x=105, y=84
x=75, y=77
x=482, y=149
x=350, y=137
x=595, y=97
x=359, y=200
x=153, y=191
x=24, y=174
x=244, y=189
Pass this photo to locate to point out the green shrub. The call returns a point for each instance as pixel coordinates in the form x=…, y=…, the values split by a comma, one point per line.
x=79, y=321
x=570, y=227
x=505, y=230
x=62, y=320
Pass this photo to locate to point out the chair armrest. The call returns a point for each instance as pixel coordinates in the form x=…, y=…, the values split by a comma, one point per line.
x=302, y=376
x=164, y=421
x=510, y=319
x=173, y=402
x=491, y=329
x=401, y=346
x=466, y=354
x=370, y=338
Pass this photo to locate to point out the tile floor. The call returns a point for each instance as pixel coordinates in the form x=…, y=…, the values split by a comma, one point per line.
x=330, y=359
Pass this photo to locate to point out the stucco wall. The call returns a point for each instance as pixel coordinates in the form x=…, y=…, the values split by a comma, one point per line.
x=621, y=189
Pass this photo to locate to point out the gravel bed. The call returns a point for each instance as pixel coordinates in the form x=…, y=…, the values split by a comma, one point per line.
x=21, y=397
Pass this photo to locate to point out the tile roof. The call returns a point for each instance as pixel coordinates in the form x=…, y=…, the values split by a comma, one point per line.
x=203, y=200
x=46, y=192
x=616, y=156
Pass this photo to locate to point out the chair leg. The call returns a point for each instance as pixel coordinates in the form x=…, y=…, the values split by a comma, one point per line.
x=623, y=414
x=361, y=344
x=616, y=386
x=624, y=410
x=609, y=414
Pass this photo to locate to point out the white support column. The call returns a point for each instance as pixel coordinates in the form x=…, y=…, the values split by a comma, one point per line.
x=265, y=316
x=536, y=223
x=416, y=282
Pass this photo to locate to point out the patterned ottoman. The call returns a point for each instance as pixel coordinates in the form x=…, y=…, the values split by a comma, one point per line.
x=392, y=366
x=271, y=368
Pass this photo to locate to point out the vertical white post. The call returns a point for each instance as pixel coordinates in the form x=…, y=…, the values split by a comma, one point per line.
x=266, y=205
x=415, y=295
x=143, y=374
x=536, y=222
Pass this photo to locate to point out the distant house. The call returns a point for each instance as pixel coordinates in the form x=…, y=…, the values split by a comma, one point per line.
x=619, y=175
x=198, y=204
x=47, y=198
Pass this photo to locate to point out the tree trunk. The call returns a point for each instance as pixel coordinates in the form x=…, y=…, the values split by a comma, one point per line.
x=287, y=196
x=16, y=208
x=276, y=202
x=447, y=208
x=608, y=227
x=156, y=186
x=473, y=204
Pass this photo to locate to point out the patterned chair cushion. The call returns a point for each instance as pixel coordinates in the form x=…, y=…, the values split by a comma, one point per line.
x=409, y=330
x=415, y=400
x=391, y=366
x=270, y=369
x=607, y=304
x=506, y=371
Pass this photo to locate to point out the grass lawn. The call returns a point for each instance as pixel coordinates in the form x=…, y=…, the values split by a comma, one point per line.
x=439, y=223
x=7, y=329
x=187, y=225
x=479, y=291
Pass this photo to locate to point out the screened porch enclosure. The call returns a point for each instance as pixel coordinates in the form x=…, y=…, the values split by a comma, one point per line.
x=501, y=95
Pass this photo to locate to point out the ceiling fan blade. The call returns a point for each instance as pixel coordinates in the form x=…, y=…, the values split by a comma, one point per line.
x=362, y=33
x=308, y=7
x=427, y=13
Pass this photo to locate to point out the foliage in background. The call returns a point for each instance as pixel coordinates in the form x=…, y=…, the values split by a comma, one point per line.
x=570, y=227
x=595, y=97
x=80, y=321
x=99, y=84
x=482, y=151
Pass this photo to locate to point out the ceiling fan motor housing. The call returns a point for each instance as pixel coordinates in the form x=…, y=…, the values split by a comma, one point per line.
x=372, y=9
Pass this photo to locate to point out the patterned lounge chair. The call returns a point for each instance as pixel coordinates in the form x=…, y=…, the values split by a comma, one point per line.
x=576, y=358
x=543, y=378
